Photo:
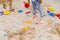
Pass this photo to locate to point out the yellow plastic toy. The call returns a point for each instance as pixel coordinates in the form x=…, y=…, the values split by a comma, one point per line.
x=48, y=23
x=26, y=28
x=27, y=22
x=15, y=13
x=3, y=20
x=51, y=9
x=6, y=12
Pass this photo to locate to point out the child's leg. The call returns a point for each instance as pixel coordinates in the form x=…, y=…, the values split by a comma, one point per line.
x=4, y=4
x=7, y=1
x=40, y=9
x=10, y=3
x=34, y=7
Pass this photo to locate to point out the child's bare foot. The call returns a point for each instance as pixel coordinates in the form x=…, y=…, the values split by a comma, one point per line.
x=11, y=10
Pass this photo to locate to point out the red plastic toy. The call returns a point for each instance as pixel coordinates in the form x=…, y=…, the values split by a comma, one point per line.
x=26, y=5
x=58, y=15
x=27, y=12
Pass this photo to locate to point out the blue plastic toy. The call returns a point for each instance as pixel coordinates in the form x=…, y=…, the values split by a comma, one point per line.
x=5, y=35
x=20, y=11
x=40, y=36
x=1, y=13
x=51, y=14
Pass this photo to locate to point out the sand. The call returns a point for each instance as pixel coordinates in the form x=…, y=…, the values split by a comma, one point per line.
x=46, y=28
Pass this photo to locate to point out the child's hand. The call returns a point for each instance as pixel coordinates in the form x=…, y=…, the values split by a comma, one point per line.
x=40, y=1
x=29, y=1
